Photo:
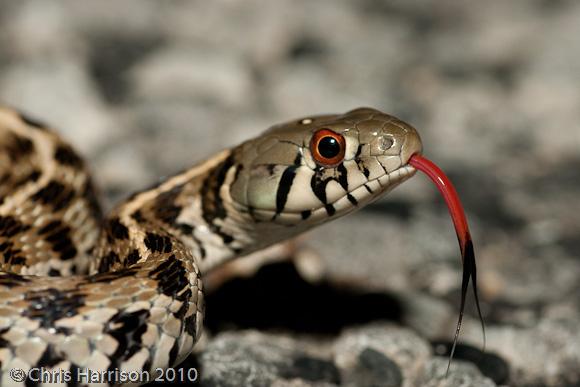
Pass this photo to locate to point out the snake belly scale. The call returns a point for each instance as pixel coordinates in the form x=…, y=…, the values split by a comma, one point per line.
x=79, y=290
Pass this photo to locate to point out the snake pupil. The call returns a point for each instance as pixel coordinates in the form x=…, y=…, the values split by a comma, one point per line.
x=328, y=147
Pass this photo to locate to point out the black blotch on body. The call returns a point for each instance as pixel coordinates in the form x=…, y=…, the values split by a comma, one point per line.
x=65, y=155
x=132, y=258
x=5, y=178
x=127, y=329
x=11, y=280
x=50, y=305
x=18, y=147
x=53, y=273
x=58, y=234
x=16, y=260
x=49, y=358
x=33, y=176
x=107, y=262
x=117, y=229
x=10, y=254
x=173, y=352
x=10, y=226
x=181, y=312
x=305, y=214
x=172, y=278
x=55, y=194
x=186, y=229
x=211, y=202
x=3, y=342
x=227, y=238
x=165, y=207
x=137, y=216
x=190, y=325
x=158, y=243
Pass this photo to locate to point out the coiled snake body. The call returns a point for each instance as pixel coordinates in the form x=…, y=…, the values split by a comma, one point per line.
x=125, y=292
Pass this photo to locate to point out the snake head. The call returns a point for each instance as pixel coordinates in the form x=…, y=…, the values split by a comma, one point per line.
x=308, y=170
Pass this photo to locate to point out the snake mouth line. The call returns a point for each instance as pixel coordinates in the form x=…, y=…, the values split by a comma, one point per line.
x=371, y=190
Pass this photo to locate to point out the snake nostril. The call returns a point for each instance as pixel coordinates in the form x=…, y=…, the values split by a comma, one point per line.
x=385, y=143
x=382, y=145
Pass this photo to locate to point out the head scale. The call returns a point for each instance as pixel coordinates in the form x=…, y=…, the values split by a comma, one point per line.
x=309, y=170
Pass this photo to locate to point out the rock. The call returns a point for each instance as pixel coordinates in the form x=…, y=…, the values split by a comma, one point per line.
x=489, y=364
x=374, y=369
x=174, y=73
x=254, y=359
x=544, y=354
x=460, y=375
x=61, y=94
x=380, y=354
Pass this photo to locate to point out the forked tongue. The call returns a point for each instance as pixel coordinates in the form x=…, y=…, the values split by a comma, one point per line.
x=462, y=230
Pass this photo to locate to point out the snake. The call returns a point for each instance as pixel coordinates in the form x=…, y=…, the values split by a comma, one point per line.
x=124, y=291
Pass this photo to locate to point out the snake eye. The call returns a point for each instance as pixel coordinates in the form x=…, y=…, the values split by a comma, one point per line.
x=327, y=147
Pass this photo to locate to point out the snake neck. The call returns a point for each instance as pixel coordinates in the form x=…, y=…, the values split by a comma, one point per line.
x=193, y=208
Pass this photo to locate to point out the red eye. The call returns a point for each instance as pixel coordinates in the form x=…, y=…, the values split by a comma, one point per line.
x=327, y=147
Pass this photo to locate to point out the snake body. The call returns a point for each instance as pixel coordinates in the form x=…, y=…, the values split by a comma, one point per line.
x=124, y=292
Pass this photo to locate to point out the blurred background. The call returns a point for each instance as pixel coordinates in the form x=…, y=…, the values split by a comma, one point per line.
x=144, y=89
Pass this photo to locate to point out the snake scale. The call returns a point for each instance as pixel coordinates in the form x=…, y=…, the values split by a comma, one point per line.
x=80, y=290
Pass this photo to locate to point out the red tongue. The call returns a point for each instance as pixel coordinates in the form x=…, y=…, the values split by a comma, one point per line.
x=462, y=230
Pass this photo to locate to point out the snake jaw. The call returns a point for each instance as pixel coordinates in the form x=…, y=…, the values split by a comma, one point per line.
x=364, y=193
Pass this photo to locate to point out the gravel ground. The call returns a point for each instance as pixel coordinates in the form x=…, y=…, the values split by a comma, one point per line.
x=145, y=88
